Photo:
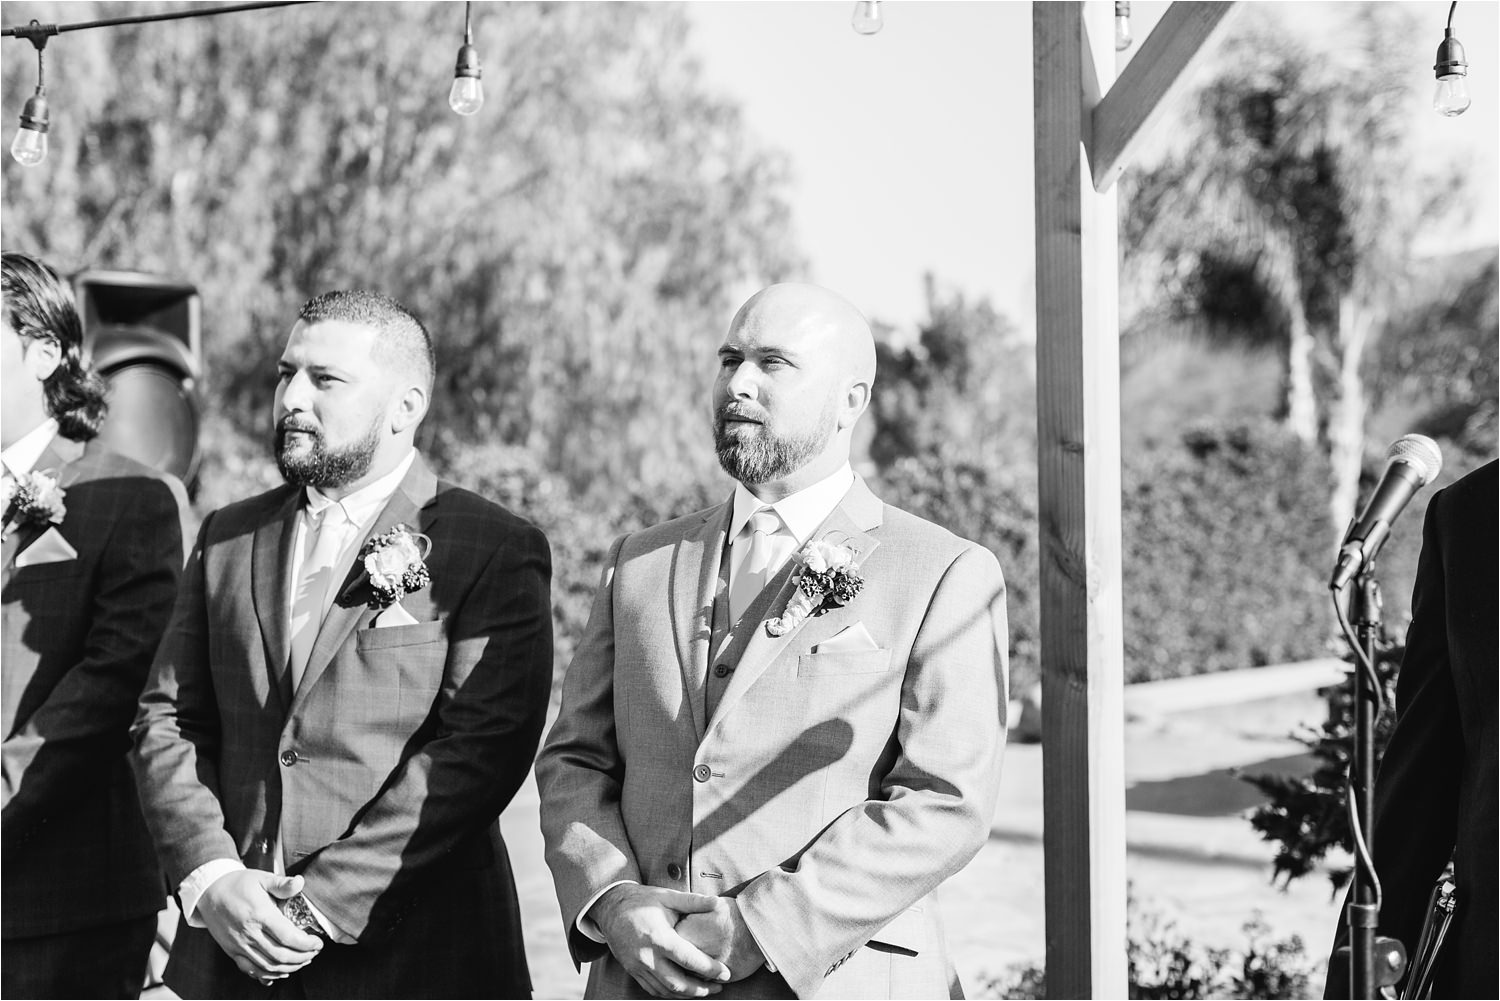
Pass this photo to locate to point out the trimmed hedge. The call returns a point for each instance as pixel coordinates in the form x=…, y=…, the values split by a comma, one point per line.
x=1226, y=551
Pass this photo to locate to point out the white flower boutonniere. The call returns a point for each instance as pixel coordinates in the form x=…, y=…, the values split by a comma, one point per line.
x=394, y=563
x=34, y=498
x=828, y=579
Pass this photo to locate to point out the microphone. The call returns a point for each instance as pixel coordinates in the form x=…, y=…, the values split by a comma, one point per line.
x=1413, y=461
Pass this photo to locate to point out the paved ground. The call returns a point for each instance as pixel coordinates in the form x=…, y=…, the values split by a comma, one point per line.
x=1192, y=858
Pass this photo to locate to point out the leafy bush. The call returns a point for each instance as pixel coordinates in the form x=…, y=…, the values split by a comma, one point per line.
x=580, y=531
x=1305, y=816
x=1164, y=963
x=976, y=501
x=1225, y=548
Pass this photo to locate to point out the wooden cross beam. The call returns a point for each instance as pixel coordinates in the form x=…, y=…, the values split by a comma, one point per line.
x=1086, y=132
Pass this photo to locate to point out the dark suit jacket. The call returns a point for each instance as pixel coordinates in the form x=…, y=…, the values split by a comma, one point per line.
x=1436, y=790
x=79, y=635
x=384, y=772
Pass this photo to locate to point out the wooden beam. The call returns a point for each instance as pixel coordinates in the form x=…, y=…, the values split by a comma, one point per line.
x=1078, y=459
x=1131, y=108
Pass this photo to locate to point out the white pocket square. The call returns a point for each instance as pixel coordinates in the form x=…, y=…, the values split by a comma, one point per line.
x=50, y=547
x=394, y=616
x=850, y=639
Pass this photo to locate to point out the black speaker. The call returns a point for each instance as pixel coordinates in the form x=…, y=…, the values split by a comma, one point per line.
x=143, y=335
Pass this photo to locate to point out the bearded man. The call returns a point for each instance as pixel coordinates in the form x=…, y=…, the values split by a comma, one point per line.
x=349, y=693
x=783, y=727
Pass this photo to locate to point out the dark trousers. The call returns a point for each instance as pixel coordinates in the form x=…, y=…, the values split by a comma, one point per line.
x=104, y=962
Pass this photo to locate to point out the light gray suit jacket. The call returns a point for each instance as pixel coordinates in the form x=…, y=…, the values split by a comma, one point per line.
x=831, y=791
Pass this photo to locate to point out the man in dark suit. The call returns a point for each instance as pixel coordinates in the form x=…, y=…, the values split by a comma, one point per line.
x=350, y=691
x=1435, y=795
x=92, y=550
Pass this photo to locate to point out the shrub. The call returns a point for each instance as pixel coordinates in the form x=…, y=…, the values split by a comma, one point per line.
x=1225, y=547
x=1305, y=816
x=1164, y=963
x=980, y=502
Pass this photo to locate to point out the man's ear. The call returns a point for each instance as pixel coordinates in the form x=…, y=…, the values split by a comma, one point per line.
x=856, y=399
x=42, y=355
x=409, y=410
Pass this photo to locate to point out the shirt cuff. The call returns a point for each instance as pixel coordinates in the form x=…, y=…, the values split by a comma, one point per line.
x=586, y=925
x=770, y=963
x=333, y=931
x=200, y=879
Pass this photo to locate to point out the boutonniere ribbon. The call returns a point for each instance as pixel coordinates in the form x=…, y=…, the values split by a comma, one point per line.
x=828, y=578
x=394, y=563
x=34, y=498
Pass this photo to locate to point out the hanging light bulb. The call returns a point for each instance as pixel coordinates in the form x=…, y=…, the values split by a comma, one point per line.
x=1123, y=37
x=29, y=148
x=1452, y=94
x=30, y=145
x=466, y=96
x=866, y=19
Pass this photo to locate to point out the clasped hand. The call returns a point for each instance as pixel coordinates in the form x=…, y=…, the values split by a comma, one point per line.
x=675, y=944
x=241, y=913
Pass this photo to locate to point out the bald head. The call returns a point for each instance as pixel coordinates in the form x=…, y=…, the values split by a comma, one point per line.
x=828, y=318
x=795, y=372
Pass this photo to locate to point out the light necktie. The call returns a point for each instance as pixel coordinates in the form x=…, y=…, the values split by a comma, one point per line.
x=753, y=571
x=316, y=579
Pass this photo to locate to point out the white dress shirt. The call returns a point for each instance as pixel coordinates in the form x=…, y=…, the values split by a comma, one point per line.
x=361, y=508
x=26, y=450
x=801, y=513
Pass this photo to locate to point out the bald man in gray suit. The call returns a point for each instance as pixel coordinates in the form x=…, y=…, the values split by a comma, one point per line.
x=783, y=727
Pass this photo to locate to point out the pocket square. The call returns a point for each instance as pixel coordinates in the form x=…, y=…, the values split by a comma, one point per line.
x=850, y=639
x=394, y=616
x=50, y=547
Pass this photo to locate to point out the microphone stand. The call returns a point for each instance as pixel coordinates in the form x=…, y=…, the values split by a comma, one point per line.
x=1375, y=961
x=1363, y=910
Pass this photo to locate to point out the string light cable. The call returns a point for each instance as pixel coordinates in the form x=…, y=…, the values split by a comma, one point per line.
x=30, y=145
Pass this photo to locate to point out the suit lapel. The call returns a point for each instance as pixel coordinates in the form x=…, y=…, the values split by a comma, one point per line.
x=269, y=563
x=849, y=524
x=695, y=578
x=406, y=506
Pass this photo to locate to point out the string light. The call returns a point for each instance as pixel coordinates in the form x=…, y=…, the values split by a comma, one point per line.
x=1123, y=38
x=466, y=96
x=30, y=145
x=1452, y=95
x=866, y=19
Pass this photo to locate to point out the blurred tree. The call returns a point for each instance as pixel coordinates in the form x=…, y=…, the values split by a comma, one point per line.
x=1288, y=218
x=576, y=247
x=954, y=438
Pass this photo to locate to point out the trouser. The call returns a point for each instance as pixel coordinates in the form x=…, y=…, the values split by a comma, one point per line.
x=104, y=962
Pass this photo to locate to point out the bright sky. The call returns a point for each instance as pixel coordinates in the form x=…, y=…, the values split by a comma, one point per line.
x=911, y=149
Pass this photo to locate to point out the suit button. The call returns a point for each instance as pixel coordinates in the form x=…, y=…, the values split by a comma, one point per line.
x=722, y=671
x=289, y=758
x=674, y=871
x=701, y=773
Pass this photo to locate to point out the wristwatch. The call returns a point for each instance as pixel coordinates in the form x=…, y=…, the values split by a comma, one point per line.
x=299, y=912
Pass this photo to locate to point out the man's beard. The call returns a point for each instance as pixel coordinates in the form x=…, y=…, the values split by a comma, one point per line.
x=320, y=466
x=760, y=455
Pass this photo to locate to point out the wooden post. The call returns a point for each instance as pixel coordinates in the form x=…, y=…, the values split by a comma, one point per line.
x=1078, y=457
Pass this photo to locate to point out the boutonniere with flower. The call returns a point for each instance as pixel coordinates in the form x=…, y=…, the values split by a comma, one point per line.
x=829, y=578
x=34, y=498
x=393, y=562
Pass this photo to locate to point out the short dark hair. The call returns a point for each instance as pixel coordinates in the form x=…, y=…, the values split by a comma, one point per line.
x=401, y=337
x=39, y=306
